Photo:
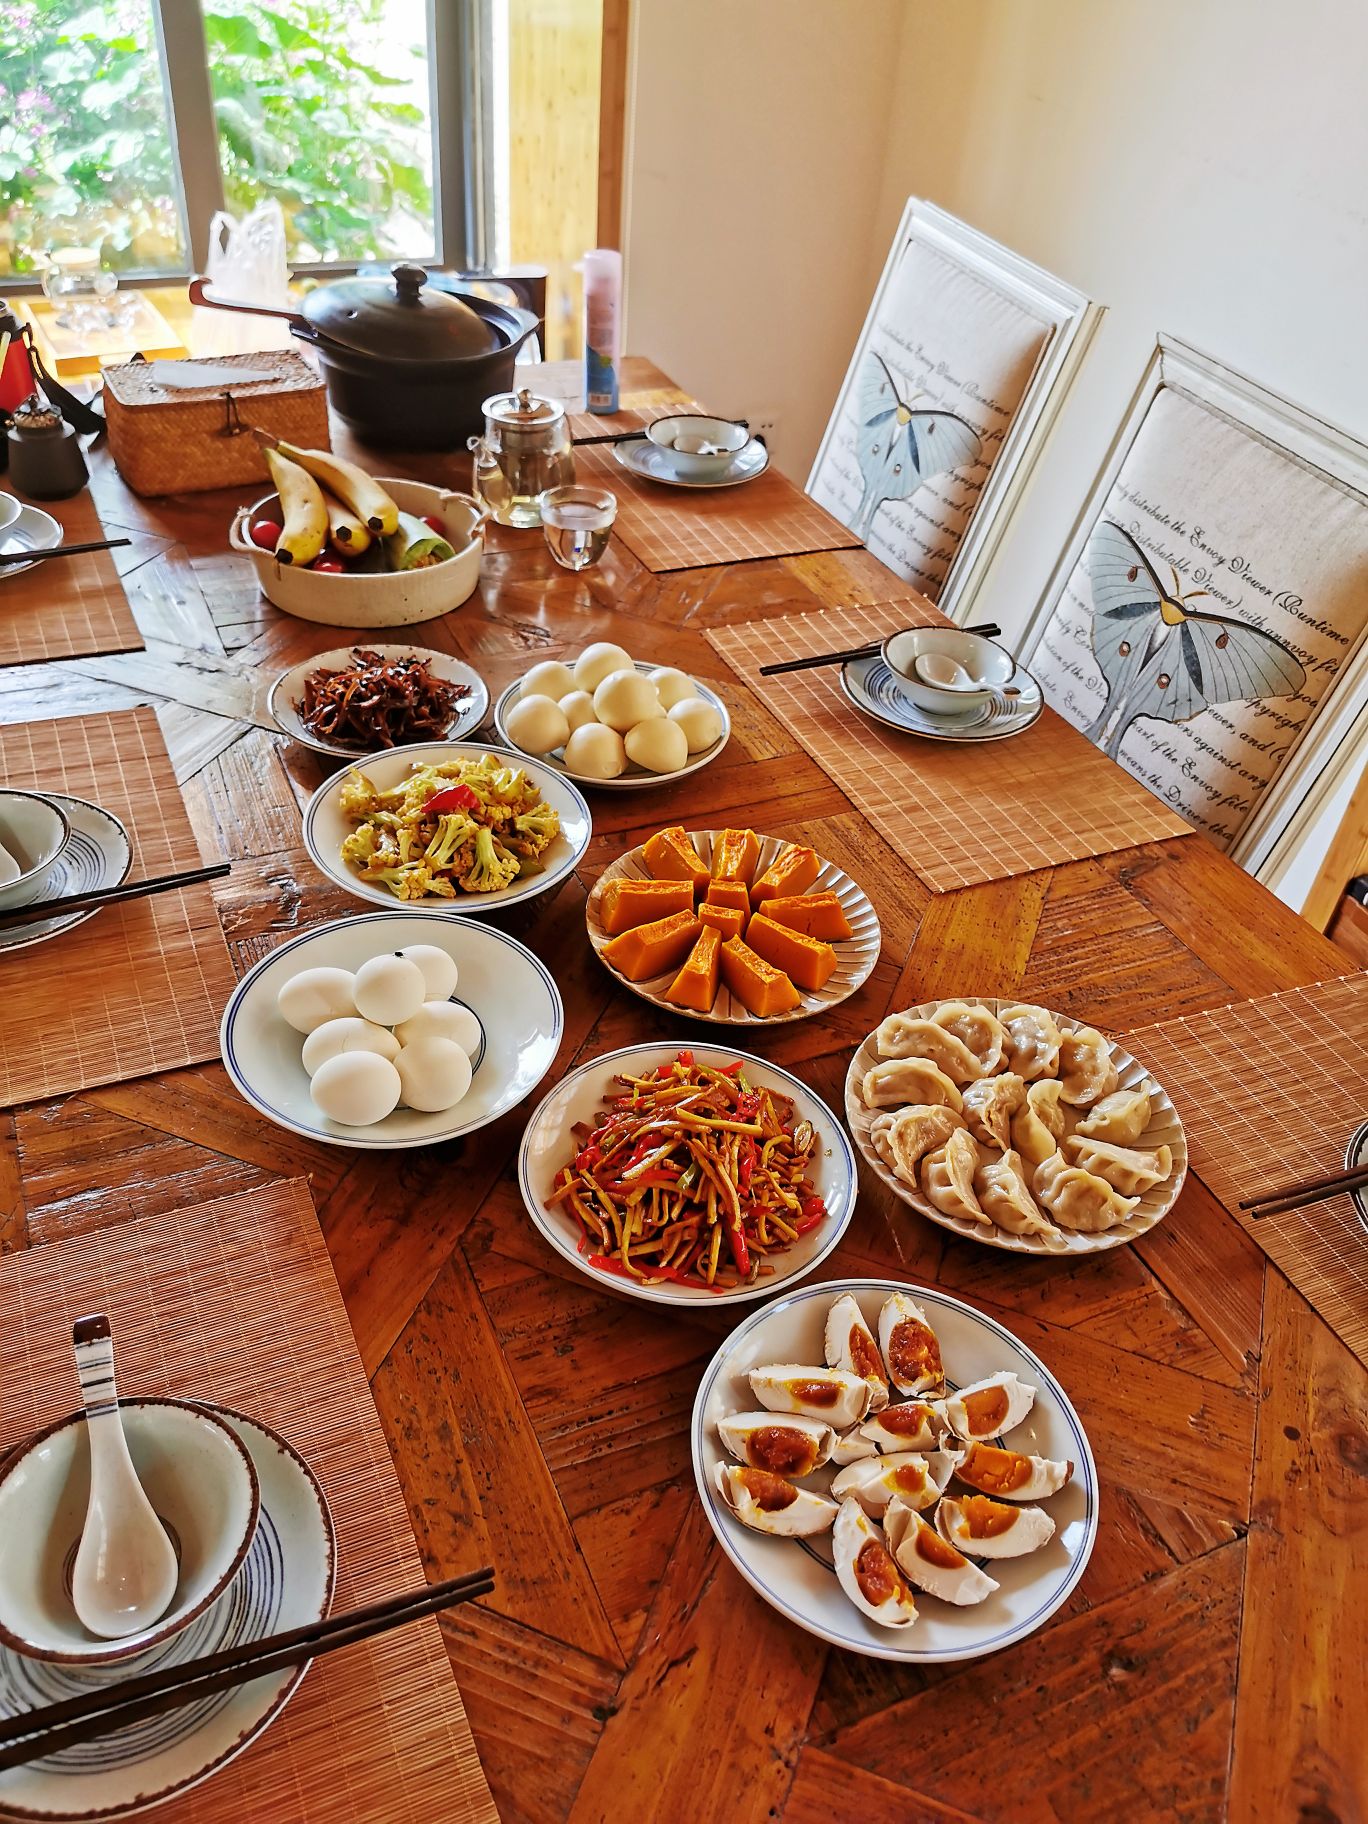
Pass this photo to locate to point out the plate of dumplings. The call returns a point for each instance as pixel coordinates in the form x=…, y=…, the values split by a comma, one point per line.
x=894, y=1471
x=1015, y=1126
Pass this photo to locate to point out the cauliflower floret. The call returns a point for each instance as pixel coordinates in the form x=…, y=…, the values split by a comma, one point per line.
x=455, y=829
x=358, y=795
x=492, y=869
x=534, y=830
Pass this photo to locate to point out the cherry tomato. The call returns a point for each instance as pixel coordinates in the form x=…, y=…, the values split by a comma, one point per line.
x=264, y=533
x=332, y=566
x=431, y=520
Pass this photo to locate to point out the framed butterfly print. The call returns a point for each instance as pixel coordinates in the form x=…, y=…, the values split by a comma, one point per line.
x=959, y=370
x=1207, y=625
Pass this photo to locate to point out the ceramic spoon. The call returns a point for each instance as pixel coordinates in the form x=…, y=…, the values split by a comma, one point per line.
x=125, y=1572
x=944, y=673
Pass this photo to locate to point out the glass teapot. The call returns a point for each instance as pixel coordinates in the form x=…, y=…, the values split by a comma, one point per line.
x=525, y=449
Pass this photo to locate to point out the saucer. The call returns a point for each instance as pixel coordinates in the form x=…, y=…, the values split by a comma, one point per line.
x=98, y=854
x=643, y=459
x=286, y=1581
x=873, y=686
x=33, y=530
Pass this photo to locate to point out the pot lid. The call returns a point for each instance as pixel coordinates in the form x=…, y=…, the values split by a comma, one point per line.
x=399, y=318
x=523, y=410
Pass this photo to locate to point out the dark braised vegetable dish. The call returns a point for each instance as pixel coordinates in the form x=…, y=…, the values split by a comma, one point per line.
x=376, y=702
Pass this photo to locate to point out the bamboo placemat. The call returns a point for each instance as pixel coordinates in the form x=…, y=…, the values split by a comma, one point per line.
x=1270, y=1092
x=685, y=529
x=958, y=813
x=69, y=607
x=236, y=1301
x=138, y=987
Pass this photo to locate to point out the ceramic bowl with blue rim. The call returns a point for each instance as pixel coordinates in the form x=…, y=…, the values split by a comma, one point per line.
x=1356, y=1154
x=873, y=686
x=97, y=853
x=285, y=1581
x=549, y=1143
x=795, y=1576
x=509, y=990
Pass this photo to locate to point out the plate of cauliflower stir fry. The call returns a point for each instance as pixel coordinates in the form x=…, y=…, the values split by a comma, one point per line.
x=451, y=824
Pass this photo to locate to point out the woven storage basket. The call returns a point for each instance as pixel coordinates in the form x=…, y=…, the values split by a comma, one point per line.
x=184, y=440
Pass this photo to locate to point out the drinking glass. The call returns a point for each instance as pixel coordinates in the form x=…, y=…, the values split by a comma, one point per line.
x=577, y=522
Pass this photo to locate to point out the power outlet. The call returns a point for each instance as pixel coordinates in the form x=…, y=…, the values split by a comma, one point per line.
x=764, y=424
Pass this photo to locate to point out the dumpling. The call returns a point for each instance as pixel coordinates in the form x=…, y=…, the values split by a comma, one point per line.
x=1032, y=1041
x=931, y=1562
x=903, y=1138
x=1120, y=1117
x=1006, y=1199
x=909, y=1080
x=1086, y=1067
x=904, y=1035
x=948, y=1177
x=911, y=1349
x=1077, y=1199
x=1125, y=1170
x=1038, y=1126
x=978, y=1030
x=989, y=1106
x=849, y=1344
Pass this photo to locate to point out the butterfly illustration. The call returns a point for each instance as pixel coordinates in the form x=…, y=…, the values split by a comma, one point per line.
x=899, y=447
x=1161, y=658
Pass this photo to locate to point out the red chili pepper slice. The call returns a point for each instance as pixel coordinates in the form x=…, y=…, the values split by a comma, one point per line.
x=607, y=1263
x=748, y=1105
x=731, y=1070
x=451, y=798
x=813, y=1210
x=739, y=1251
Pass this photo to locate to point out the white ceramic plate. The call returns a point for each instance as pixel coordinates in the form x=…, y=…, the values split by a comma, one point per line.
x=795, y=1576
x=325, y=827
x=872, y=686
x=651, y=464
x=509, y=991
x=636, y=776
x=286, y=1581
x=288, y=689
x=855, y=955
x=548, y=1144
x=98, y=854
x=33, y=530
x=1165, y=1129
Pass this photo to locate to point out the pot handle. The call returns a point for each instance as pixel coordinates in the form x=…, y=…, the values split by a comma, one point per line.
x=200, y=294
x=480, y=510
x=237, y=532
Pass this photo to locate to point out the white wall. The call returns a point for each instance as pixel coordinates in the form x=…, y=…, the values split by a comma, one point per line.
x=754, y=163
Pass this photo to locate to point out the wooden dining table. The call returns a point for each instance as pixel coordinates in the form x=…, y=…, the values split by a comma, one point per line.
x=1209, y=1664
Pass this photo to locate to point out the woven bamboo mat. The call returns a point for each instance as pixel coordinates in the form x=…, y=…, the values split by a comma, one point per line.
x=686, y=529
x=236, y=1301
x=69, y=607
x=1270, y=1092
x=957, y=813
x=139, y=987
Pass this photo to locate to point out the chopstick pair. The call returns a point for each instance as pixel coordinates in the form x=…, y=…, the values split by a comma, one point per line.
x=988, y=629
x=1311, y=1190
x=38, y=557
x=42, y=909
x=36, y=1733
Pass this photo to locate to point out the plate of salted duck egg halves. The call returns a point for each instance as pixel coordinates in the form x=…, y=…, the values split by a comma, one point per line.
x=894, y=1472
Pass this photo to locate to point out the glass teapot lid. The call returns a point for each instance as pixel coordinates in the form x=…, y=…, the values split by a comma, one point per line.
x=399, y=318
x=522, y=410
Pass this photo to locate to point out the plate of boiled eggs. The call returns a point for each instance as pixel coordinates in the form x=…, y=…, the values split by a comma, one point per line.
x=607, y=719
x=392, y=1029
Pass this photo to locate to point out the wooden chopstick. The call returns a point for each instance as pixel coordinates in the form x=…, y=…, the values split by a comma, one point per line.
x=110, y=896
x=36, y=1733
x=1312, y=1190
x=37, y=557
x=989, y=630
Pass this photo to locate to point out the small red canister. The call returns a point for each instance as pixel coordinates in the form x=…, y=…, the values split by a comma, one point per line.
x=16, y=376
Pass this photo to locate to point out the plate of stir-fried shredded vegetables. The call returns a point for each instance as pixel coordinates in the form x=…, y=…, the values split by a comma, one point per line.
x=686, y=1177
x=451, y=825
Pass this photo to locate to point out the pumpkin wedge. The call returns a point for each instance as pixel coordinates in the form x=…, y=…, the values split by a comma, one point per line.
x=696, y=984
x=671, y=856
x=819, y=914
x=807, y=961
x=729, y=920
x=735, y=854
x=759, y=986
x=648, y=950
x=791, y=872
x=728, y=893
x=624, y=903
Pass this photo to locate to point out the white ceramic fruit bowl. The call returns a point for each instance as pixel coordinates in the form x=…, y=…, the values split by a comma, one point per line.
x=397, y=598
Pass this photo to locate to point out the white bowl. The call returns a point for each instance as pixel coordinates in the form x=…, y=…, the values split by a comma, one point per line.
x=200, y=1482
x=289, y=687
x=10, y=509
x=548, y=1143
x=731, y=438
x=980, y=657
x=35, y=830
x=396, y=598
x=795, y=1576
x=325, y=828
x=510, y=992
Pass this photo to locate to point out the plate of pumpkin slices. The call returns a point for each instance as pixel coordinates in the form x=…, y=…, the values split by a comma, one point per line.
x=733, y=927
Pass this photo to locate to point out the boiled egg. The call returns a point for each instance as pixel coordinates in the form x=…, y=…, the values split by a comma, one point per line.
x=334, y=1037
x=316, y=995
x=434, y=1074
x=389, y=989
x=440, y=974
x=442, y=1020
x=357, y=1088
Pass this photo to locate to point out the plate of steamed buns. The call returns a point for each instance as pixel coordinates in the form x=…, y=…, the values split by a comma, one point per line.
x=392, y=1030
x=607, y=719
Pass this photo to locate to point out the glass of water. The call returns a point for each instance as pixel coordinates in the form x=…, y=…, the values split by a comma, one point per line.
x=577, y=522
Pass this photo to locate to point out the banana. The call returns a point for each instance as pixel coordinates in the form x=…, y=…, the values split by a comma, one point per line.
x=301, y=504
x=357, y=490
x=345, y=531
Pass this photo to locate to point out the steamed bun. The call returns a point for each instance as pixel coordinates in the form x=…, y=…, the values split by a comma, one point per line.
x=549, y=679
x=537, y=724
x=577, y=708
x=672, y=686
x=658, y=744
x=595, y=662
x=596, y=751
x=700, y=721
x=625, y=698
